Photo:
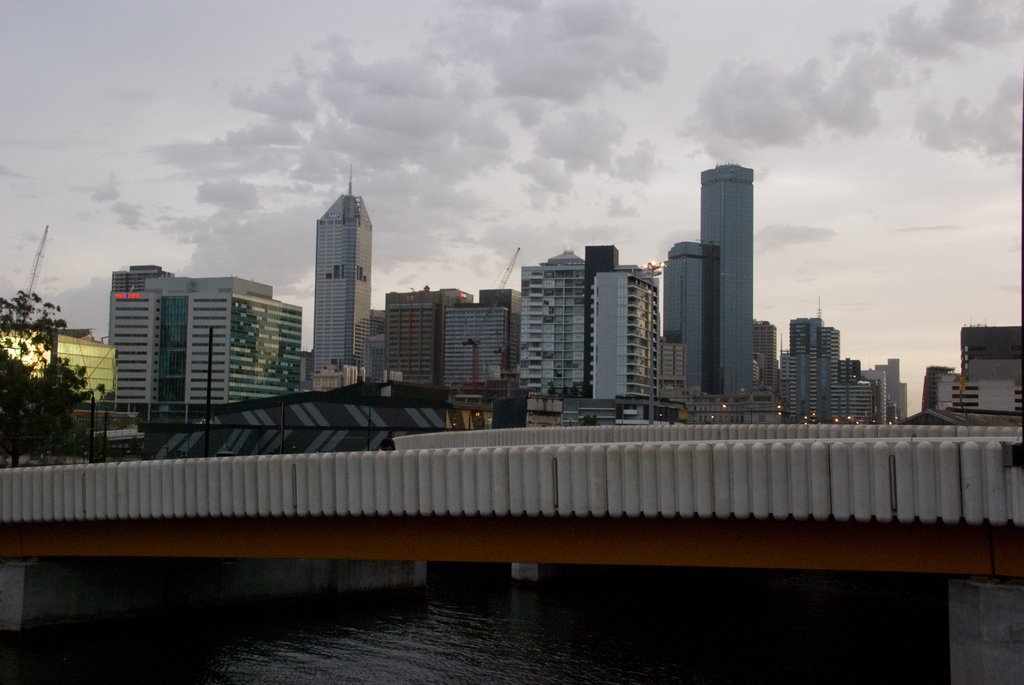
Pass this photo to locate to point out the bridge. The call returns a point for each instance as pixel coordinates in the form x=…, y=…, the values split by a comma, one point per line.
x=926, y=499
x=946, y=500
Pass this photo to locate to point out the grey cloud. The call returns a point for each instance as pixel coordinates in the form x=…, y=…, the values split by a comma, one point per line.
x=979, y=23
x=582, y=140
x=11, y=173
x=561, y=51
x=261, y=147
x=927, y=229
x=274, y=248
x=127, y=214
x=131, y=96
x=641, y=166
x=86, y=306
x=993, y=131
x=780, y=236
x=618, y=210
x=107, y=192
x=403, y=112
x=547, y=177
x=232, y=195
x=283, y=101
x=761, y=104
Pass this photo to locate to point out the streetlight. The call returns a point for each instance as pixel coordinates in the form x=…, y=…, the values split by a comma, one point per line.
x=652, y=270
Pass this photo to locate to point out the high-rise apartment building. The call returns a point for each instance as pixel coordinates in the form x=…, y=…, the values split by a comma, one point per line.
x=625, y=333
x=414, y=332
x=135, y=277
x=596, y=259
x=162, y=336
x=766, y=356
x=341, y=305
x=727, y=220
x=551, y=356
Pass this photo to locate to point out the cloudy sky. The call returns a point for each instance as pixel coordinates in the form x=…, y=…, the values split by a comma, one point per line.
x=208, y=137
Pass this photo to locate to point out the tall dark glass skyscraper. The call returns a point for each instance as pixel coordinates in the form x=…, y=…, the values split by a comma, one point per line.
x=341, y=311
x=692, y=310
x=727, y=220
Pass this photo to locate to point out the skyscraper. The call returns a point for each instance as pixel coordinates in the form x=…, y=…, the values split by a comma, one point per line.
x=556, y=351
x=727, y=220
x=692, y=310
x=766, y=354
x=625, y=333
x=414, y=332
x=341, y=307
x=811, y=368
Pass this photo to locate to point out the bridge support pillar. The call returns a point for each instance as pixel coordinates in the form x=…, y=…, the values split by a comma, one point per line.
x=37, y=592
x=986, y=631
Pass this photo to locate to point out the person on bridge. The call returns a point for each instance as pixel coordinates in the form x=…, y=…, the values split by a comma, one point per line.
x=388, y=443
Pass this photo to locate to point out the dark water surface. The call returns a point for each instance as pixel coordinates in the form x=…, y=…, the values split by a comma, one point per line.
x=474, y=626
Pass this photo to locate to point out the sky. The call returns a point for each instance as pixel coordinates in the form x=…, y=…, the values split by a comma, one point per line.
x=208, y=136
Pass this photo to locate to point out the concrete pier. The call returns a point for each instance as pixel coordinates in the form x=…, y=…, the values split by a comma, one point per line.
x=41, y=592
x=986, y=632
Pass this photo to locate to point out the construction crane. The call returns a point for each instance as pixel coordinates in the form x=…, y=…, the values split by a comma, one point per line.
x=475, y=342
x=37, y=263
x=508, y=269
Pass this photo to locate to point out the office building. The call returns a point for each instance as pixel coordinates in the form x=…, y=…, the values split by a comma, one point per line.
x=672, y=370
x=482, y=339
x=727, y=220
x=933, y=376
x=97, y=358
x=341, y=301
x=766, y=356
x=692, y=304
x=991, y=353
x=625, y=333
x=162, y=336
x=414, y=332
x=811, y=369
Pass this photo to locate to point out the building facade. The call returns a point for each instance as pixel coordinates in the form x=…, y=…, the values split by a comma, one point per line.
x=553, y=335
x=692, y=303
x=341, y=301
x=163, y=339
x=766, y=356
x=482, y=339
x=727, y=220
x=811, y=369
x=414, y=332
x=625, y=333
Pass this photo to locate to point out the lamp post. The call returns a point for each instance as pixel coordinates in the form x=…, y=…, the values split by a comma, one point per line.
x=652, y=270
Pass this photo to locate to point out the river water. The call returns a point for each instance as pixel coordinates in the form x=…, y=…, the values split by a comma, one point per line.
x=474, y=626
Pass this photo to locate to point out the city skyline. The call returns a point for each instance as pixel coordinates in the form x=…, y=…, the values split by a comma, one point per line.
x=885, y=141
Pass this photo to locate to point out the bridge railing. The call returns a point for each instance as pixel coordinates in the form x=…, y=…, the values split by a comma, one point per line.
x=926, y=480
x=571, y=435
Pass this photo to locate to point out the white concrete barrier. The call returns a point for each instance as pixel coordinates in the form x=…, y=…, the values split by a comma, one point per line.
x=833, y=473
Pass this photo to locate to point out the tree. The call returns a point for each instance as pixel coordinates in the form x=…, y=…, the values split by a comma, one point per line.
x=37, y=393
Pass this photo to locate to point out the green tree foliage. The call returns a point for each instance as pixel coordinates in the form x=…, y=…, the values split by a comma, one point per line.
x=36, y=395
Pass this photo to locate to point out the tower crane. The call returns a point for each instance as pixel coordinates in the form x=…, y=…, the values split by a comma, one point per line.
x=37, y=263
x=475, y=342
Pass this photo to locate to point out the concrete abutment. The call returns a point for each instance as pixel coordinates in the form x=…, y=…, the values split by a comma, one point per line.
x=40, y=592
